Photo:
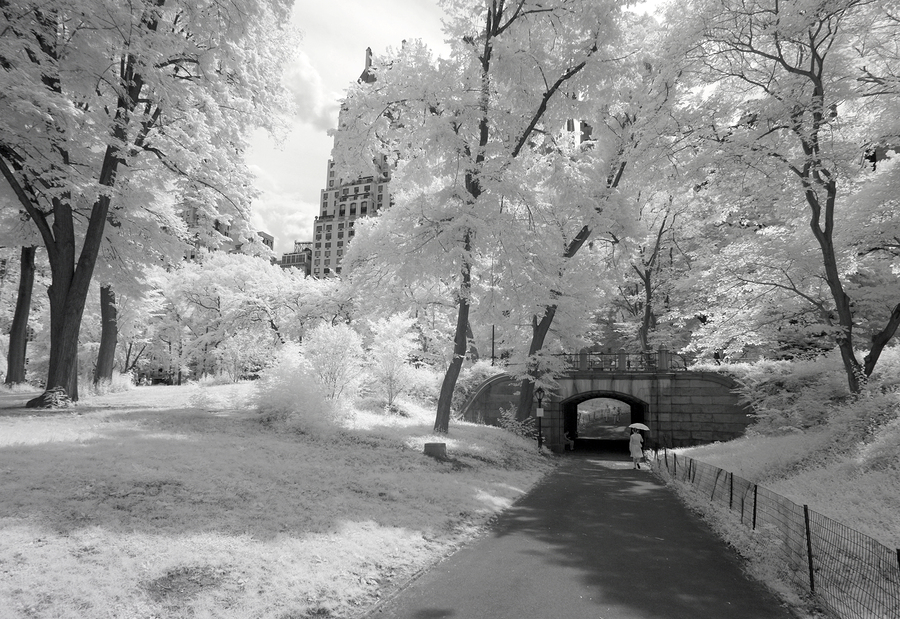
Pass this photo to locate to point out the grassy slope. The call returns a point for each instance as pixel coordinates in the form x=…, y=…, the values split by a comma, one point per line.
x=177, y=502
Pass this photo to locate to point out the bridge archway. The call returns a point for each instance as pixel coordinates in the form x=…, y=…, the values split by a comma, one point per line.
x=680, y=407
x=638, y=412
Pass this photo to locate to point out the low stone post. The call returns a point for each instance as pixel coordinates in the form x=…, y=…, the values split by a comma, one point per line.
x=436, y=450
x=662, y=363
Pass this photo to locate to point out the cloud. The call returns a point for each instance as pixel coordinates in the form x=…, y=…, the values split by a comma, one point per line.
x=286, y=217
x=313, y=103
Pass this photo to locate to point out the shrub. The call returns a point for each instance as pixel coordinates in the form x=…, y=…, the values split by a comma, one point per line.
x=120, y=382
x=289, y=392
x=336, y=358
x=389, y=356
x=424, y=384
x=524, y=428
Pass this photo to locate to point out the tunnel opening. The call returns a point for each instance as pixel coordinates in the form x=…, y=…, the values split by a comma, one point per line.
x=599, y=420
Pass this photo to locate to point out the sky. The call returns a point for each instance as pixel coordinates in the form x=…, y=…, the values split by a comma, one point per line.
x=330, y=57
x=291, y=171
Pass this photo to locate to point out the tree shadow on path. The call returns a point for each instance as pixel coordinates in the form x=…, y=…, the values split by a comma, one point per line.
x=595, y=539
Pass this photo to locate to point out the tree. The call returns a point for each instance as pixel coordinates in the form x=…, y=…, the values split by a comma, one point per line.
x=456, y=129
x=336, y=356
x=392, y=344
x=18, y=331
x=109, y=333
x=96, y=92
x=789, y=109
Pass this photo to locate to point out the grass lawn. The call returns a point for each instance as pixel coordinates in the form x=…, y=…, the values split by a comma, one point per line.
x=168, y=502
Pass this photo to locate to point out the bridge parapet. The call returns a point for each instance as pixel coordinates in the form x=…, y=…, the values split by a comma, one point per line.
x=661, y=360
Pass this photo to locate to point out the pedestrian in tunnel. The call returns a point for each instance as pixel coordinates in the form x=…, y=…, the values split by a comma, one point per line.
x=636, y=447
x=570, y=440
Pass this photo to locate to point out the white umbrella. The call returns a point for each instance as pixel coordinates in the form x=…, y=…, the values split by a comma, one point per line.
x=639, y=426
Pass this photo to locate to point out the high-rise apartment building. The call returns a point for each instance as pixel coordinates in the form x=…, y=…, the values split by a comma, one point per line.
x=342, y=202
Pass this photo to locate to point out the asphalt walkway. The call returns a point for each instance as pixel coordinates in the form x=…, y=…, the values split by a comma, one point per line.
x=596, y=539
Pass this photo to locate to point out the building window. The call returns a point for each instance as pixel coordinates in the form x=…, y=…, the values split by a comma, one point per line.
x=363, y=204
x=318, y=245
x=367, y=188
x=318, y=237
x=380, y=188
x=340, y=243
x=317, y=254
x=341, y=234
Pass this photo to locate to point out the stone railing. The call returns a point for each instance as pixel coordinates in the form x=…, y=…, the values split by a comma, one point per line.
x=660, y=360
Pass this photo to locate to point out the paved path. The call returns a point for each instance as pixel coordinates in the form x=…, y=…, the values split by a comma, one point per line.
x=596, y=539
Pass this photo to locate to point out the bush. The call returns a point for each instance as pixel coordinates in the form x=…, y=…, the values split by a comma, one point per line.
x=424, y=384
x=120, y=382
x=336, y=357
x=508, y=422
x=392, y=344
x=288, y=392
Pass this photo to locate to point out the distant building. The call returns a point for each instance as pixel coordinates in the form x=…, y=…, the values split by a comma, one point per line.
x=342, y=202
x=267, y=239
x=300, y=258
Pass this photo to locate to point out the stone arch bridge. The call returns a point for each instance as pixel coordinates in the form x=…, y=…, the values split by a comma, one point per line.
x=681, y=407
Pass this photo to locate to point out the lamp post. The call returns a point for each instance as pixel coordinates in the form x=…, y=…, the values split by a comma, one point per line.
x=539, y=394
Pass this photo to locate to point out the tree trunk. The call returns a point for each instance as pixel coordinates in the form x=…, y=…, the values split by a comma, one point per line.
x=18, y=334
x=109, y=333
x=68, y=293
x=460, y=344
x=473, y=349
x=825, y=237
x=880, y=340
x=539, y=331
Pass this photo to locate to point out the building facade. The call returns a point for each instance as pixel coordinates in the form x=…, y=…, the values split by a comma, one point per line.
x=342, y=202
x=300, y=258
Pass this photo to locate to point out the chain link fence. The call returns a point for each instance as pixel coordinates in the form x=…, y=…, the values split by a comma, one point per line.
x=852, y=574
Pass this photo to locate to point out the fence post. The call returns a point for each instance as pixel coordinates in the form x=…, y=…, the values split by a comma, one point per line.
x=675, y=467
x=731, y=493
x=755, y=489
x=812, y=582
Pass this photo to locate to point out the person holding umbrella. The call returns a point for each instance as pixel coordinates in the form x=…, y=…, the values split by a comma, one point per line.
x=636, y=443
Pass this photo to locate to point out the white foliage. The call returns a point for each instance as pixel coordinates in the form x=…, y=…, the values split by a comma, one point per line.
x=336, y=358
x=389, y=355
x=289, y=391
